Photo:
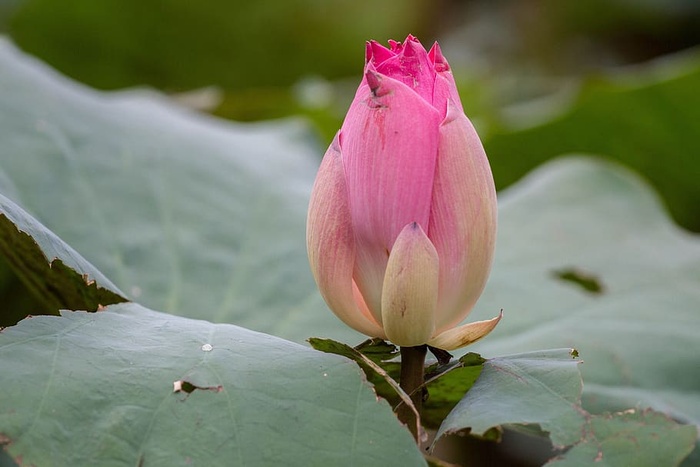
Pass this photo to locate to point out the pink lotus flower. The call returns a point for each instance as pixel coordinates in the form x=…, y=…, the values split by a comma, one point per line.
x=402, y=220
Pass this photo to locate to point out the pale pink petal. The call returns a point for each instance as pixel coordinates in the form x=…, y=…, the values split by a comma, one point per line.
x=463, y=218
x=466, y=334
x=389, y=143
x=331, y=244
x=409, y=294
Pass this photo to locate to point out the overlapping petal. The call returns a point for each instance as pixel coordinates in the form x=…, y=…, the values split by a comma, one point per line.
x=445, y=88
x=463, y=218
x=331, y=244
x=389, y=143
x=375, y=53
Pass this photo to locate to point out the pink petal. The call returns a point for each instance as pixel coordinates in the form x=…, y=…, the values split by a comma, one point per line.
x=410, y=291
x=376, y=53
x=389, y=143
x=438, y=59
x=331, y=244
x=445, y=89
x=463, y=218
x=410, y=65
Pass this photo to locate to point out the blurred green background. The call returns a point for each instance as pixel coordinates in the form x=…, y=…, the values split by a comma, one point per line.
x=540, y=78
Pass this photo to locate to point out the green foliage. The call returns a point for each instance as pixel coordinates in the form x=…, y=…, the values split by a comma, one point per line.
x=446, y=383
x=182, y=45
x=131, y=386
x=548, y=380
x=382, y=375
x=643, y=118
x=630, y=438
x=551, y=385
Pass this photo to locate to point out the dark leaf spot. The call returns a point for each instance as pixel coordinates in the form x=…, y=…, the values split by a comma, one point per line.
x=189, y=388
x=586, y=280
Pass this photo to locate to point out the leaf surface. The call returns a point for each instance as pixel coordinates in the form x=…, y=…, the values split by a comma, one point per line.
x=541, y=388
x=184, y=213
x=132, y=386
x=630, y=438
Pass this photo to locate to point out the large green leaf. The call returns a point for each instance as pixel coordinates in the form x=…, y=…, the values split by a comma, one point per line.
x=548, y=380
x=130, y=386
x=183, y=213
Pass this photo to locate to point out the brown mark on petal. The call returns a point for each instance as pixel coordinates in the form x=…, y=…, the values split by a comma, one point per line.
x=374, y=103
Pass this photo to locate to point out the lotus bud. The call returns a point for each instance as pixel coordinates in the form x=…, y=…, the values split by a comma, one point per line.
x=402, y=219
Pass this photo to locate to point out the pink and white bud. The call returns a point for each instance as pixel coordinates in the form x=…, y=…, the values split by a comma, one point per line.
x=402, y=221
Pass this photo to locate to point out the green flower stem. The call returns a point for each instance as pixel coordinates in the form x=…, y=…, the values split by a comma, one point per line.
x=412, y=375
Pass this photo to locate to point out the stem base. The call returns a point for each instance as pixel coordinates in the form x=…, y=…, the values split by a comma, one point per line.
x=412, y=377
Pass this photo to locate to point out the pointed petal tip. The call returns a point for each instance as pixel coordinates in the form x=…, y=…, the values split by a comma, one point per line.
x=400, y=47
x=412, y=48
x=374, y=80
x=411, y=38
x=438, y=59
x=464, y=335
x=376, y=53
